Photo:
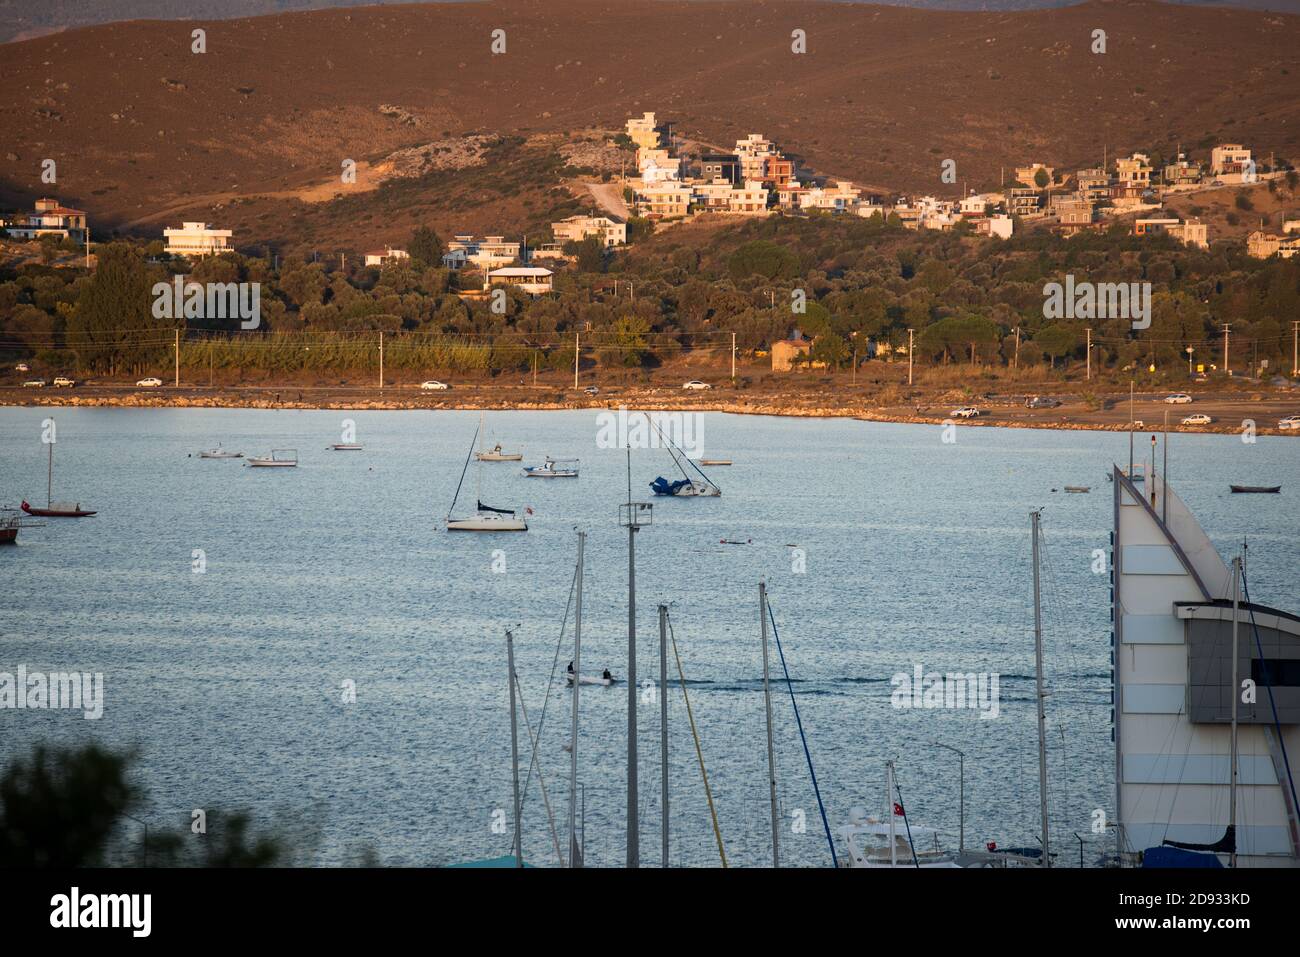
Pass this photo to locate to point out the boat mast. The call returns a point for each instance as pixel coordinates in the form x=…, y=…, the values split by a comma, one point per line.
x=663, y=723
x=514, y=748
x=575, y=856
x=49, y=473
x=637, y=515
x=1042, y=712
x=1232, y=781
x=889, y=809
x=767, y=705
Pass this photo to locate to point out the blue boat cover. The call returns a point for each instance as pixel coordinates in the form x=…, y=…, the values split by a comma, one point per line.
x=1177, y=857
x=661, y=486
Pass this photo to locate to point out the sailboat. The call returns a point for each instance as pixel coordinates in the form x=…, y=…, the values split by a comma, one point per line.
x=686, y=486
x=486, y=518
x=52, y=508
x=496, y=453
x=898, y=843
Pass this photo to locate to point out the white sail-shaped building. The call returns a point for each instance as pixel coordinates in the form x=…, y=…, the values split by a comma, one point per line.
x=1173, y=611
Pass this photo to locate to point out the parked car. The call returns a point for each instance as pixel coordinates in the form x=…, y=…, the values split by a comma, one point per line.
x=1289, y=422
x=1042, y=402
x=1198, y=418
x=965, y=412
x=34, y=384
x=696, y=384
x=63, y=382
x=1178, y=398
x=21, y=367
x=150, y=383
x=591, y=390
x=433, y=385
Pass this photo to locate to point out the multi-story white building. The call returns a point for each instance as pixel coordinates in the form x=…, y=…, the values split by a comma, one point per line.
x=644, y=132
x=837, y=198
x=658, y=166
x=379, y=256
x=578, y=228
x=533, y=280
x=49, y=218
x=490, y=252
x=196, y=240
x=753, y=152
x=1230, y=159
x=666, y=200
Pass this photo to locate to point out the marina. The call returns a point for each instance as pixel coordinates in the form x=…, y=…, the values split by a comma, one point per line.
x=305, y=585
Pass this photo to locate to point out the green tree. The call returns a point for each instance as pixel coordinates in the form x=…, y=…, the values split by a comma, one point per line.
x=114, y=310
x=425, y=248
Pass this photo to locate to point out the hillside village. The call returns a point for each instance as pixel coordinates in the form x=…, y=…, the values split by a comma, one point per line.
x=757, y=179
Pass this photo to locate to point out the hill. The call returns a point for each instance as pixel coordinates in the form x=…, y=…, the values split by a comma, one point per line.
x=253, y=132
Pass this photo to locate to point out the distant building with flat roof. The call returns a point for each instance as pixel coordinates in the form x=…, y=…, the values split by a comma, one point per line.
x=197, y=240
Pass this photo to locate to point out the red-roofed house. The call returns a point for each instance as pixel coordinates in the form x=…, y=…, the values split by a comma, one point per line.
x=50, y=218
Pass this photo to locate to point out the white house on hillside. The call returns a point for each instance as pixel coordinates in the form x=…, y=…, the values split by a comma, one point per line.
x=196, y=240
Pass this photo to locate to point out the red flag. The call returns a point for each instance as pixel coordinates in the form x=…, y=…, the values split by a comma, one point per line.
x=898, y=809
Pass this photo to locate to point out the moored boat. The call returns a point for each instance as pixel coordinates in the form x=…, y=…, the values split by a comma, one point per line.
x=278, y=459
x=485, y=517
x=553, y=468
x=1257, y=489
x=220, y=453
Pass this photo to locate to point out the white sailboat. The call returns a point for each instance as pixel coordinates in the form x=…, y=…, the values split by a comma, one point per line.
x=872, y=842
x=485, y=517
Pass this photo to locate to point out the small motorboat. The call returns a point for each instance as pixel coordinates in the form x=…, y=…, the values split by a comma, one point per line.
x=1078, y=488
x=715, y=461
x=58, y=510
x=220, y=453
x=590, y=679
x=278, y=459
x=346, y=447
x=497, y=454
x=1257, y=489
x=553, y=468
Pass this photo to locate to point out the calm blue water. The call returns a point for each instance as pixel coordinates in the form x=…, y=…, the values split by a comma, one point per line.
x=229, y=682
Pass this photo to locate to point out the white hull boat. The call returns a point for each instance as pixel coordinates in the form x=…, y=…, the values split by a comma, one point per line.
x=346, y=447
x=497, y=455
x=590, y=680
x=552, y=468
x=220, y=453
x=487, y=522
x=278, y=459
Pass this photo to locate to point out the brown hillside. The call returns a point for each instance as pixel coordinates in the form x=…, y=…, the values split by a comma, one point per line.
x=144, y=131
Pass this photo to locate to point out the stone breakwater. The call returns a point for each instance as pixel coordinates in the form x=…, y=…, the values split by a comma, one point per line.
x=1008, y=415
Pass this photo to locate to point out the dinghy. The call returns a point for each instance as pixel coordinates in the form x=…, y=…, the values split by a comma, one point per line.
x=591, y=680
x=346, y=447
x=1259, y=489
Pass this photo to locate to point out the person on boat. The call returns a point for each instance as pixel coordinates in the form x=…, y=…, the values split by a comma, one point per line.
x=607, y=676
x=570, y=666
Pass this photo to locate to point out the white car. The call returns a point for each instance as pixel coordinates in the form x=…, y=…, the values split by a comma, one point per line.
x=696, y=384
x=1178, y=398
x=34, y=384
x=1199, y=418
x=150, y=383
x=21, y=367
x=433, y=385
x=1289, y=422
x=965, y=412
x=63, y=382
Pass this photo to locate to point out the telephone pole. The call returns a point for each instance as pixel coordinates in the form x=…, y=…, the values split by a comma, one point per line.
x=1295, y=353
x=381, y=361
x=1015, y=362
x=733, y=355
x=1088, y=351
x=575, y=360
x=178, y=358
x=1226, y=327
x=909, y=356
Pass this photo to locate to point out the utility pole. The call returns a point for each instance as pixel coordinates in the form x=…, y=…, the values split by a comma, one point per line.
x=733, y=355
x=381, y=361
x=87, y=249
x=1295, y=353
x=909, y=356
x=1226, y=327
x=178, y=358
x=1015, y=362
x=575, y=360
x=1088, y=351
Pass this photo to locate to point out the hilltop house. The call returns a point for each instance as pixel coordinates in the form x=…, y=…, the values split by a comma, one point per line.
x=488, y=253
x=1075, y=213
x=1261, y=245
x=1182, y=173
x=715, y=166
x=644, y=132
x=667, y=200
x=1230, y=162
x=787, y=353
x=577, y=228
x=379, y=257
x=49, y=218
x=1189, y=233
x=533, y=280
x=753, y=152
x=657, y=166
x=1093, y=183
x=837, y=198
x=196, y=240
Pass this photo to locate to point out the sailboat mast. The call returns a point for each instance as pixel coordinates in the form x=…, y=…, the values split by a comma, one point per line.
x=663, y=723
x=49, y=473
x=633, y=824
x=574, y=853
x=514, y=748
x=1232, y=781
x=1042, y=712
x=889, y=809
x=767, y=705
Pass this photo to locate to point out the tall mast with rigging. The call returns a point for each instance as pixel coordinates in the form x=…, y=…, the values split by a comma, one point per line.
x=1040, y=696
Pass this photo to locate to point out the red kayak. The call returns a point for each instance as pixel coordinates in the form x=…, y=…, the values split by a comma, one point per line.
x=64, y=511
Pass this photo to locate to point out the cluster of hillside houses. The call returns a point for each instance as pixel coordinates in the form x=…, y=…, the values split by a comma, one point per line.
x=757, y=179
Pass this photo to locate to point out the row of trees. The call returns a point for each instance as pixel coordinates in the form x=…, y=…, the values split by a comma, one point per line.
x=854, y=285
